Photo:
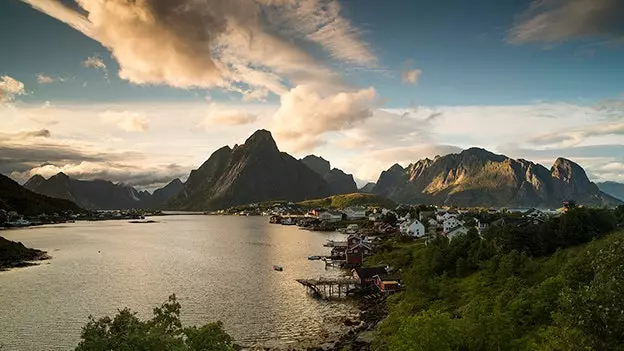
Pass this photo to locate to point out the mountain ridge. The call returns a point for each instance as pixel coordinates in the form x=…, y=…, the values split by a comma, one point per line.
x=478, y=177
x=14, y=197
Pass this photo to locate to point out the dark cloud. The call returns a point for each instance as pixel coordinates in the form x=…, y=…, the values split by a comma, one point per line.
x=562, y=20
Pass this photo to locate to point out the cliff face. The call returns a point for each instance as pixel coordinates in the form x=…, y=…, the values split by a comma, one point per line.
x=477, y=177
x=339, y=182
x=99, y=194
x=253, y=172
x=14, y=197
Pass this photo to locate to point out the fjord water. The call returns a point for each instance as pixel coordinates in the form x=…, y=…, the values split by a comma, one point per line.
x=220, y=268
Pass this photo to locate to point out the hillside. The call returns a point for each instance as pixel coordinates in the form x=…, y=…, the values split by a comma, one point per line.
x=555, y=286
x=14, y=254
x=14, y=197
x=253, y=172
x=477, y=177
x=347, y=200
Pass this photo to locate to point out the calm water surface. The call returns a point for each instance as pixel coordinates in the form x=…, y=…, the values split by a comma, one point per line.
x=219, y=267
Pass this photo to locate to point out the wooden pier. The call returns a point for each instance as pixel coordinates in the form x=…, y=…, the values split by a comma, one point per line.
x=330, y=287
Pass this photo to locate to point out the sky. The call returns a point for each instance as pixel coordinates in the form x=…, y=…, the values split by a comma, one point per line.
x=143, y=92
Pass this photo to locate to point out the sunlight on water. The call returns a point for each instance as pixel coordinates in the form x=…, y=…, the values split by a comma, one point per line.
x=219, y=267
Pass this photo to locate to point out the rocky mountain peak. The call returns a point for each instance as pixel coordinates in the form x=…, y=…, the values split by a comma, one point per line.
x=569, y=171
x=262, y=138
x=317, y=164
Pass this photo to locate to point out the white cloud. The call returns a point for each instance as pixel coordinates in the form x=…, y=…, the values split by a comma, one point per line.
x=97, y=63
x=411, y=76
x=305, y=115
x=576, y=136
x=126, y=120
x=219, y=115
x=10, y=88
x=561, y=20
x=45, y=79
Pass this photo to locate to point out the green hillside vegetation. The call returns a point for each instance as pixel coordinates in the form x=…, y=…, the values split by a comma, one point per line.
x=551, y=286
x=348, y=200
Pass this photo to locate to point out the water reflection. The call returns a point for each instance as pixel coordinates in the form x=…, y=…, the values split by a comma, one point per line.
x=220, y=268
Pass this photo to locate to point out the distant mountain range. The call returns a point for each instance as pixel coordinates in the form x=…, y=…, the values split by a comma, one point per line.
x=258, y=171
x=477, y=177
x=101, y=194
x=612, y=188
x=14, y=197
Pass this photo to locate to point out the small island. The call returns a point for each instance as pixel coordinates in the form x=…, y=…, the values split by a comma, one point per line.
x=14, y=255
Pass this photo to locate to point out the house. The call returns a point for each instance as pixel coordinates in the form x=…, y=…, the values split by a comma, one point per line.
x=450, y=223
x=366, y=275
x=387, y=283
x=461, y=230
x=433, y=223
x=354, y=213
x=441, y=217
x=414, y=228
x=355, y=254
x=375, y=217
x=330, y=216
x=536, y=214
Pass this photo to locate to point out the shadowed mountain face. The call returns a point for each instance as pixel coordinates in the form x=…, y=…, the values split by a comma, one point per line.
x=100, y=194
x=368, y=188
x=612, y=188
x=253, y=172
x=14, y=197
x=477, y=177
x=339, y=182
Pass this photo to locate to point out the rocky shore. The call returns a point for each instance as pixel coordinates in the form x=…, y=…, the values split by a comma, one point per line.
x=13, y=255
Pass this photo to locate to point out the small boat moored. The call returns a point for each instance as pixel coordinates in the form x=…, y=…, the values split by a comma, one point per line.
x=278, y=268
x=314, y=258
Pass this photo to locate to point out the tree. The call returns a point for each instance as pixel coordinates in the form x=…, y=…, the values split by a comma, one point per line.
x=164, y=332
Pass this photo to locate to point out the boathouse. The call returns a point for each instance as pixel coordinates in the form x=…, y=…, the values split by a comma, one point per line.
x=366, y=275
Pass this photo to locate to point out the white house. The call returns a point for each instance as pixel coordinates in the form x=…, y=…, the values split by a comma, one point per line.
x=450, y=224
x=461, y=230
x=329, y=216
x=414, y=228
x=355, y=212
x=441, y=217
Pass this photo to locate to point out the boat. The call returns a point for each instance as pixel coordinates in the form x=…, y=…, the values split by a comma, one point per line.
x=288, y=221
x=314, y=258
x=278, y=268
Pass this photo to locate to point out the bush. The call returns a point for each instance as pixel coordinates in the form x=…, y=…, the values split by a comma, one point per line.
x=164, y=332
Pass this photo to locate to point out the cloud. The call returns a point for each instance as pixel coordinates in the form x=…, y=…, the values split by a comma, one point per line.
x=576, y=136
x=305, y=115
x=97, y=63
x=40, y=133
x=10, y=88
x=116, y=172
x=221, y=115
x=563, y=20
x=44, y=79
x=411, y=76
x=216, y=43
x=126, y=120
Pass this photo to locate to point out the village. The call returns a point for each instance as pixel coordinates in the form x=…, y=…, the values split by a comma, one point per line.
x=366, y=228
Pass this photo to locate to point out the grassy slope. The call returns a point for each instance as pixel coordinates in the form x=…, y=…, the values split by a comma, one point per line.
x=570, y=300
x=347, y=200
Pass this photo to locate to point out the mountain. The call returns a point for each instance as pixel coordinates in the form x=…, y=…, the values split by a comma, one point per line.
x=477, y=177
x=367, y=189
x=339, y=182
x=612, y=188
x=100, y=194
x=14, y=197
x=164, y=194
x=253, y=172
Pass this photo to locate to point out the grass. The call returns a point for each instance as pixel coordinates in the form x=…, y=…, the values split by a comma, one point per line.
x=348, y=200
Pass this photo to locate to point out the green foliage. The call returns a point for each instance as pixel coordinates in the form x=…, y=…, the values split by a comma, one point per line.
x=348, y=200
x=164, y=332
x=526, y=287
